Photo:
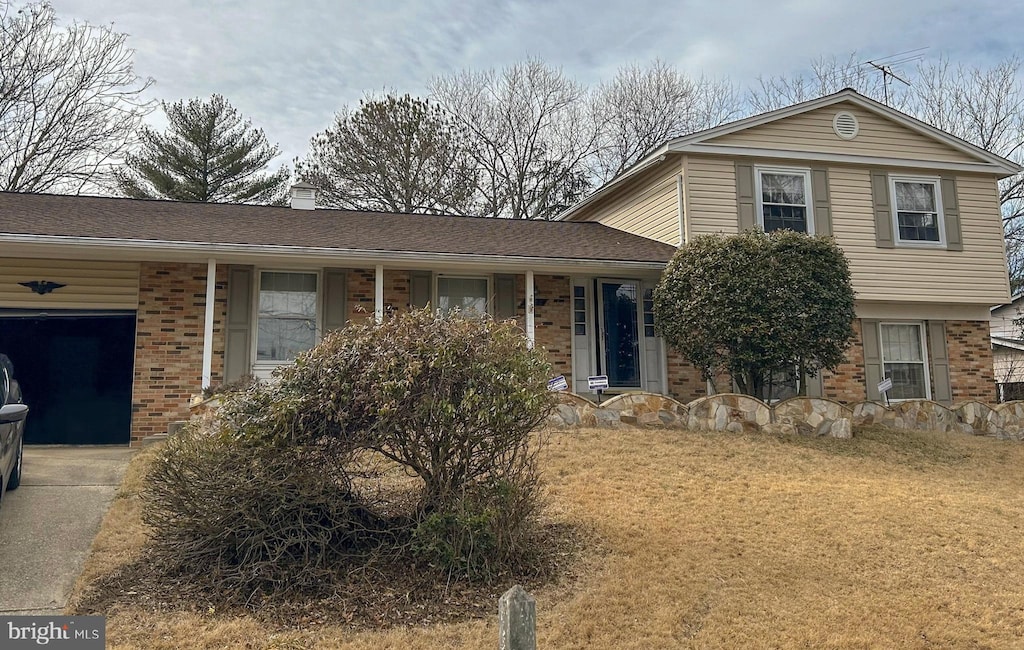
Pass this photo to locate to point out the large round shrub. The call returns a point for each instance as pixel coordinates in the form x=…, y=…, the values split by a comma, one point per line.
x=754, y=305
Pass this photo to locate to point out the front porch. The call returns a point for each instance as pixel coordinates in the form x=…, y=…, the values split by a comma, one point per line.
x=200, y=325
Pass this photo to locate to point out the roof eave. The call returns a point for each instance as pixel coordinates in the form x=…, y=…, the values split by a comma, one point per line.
x=157, y=249
x=653, y=159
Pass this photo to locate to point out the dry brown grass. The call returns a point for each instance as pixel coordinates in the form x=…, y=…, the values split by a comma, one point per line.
x=122, y=534
x=721, y=541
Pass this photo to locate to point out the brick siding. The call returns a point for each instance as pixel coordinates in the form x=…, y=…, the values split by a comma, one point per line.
x=848, y=383
x=684, y=380
x=970, y=361
x=169, y=343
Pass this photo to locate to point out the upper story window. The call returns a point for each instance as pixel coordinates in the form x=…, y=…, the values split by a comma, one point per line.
x=463, y=293
x=287, y=315
x=917, y=210
x=784, y=199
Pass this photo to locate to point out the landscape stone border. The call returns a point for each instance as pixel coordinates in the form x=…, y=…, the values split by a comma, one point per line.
x=814, y=416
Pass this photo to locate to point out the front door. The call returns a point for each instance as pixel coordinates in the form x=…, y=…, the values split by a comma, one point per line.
x=619, y=309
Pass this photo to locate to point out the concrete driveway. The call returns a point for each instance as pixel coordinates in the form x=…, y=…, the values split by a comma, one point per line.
x=48, y=524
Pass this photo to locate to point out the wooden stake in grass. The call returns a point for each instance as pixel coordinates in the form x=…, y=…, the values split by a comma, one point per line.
x=517, y=620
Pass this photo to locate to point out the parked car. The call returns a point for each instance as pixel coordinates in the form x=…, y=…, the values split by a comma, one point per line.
x=12, y=427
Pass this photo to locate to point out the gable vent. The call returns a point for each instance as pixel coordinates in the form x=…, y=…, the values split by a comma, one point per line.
x=845, y=125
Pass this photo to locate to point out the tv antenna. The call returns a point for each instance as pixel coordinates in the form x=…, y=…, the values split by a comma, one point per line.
x=885, y=64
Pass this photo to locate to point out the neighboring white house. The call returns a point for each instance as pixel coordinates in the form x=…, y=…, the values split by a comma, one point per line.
x=1008, y=348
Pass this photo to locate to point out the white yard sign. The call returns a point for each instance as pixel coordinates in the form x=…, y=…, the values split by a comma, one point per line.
x=885, y=385
x=558, y=383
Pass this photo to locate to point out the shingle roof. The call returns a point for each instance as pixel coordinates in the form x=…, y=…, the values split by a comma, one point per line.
x=220, y=223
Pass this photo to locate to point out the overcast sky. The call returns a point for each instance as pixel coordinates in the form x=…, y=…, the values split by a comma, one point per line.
x=290, y=66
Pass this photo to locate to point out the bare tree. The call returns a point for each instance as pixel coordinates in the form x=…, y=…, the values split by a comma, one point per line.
x=642, y=107
x=826, y=76
x=395, y=154
x=531, y=133
x=69, y=101
x=984, y=106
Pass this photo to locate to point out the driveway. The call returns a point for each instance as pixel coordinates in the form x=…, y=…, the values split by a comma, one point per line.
x=48, y=524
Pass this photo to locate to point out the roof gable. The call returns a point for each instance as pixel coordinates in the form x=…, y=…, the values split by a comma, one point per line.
x=939, y=145
x=804, y=131
x=878, y=136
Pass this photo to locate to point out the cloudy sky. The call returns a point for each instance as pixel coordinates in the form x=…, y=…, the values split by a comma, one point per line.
x=290, y=66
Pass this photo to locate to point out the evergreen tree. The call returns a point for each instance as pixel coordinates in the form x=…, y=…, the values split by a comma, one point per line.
x=393, y=154
x=208, y=153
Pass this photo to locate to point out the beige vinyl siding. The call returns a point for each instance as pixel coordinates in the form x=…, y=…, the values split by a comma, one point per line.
x=711, y=194
x=975, y=275
x=812, y=131
x=90, y=285
x=646, y=205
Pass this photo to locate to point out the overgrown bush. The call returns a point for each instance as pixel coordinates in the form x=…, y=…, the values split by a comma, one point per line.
x=410, y=439
x=452, y=399
x=252, y=517
x=242, y=383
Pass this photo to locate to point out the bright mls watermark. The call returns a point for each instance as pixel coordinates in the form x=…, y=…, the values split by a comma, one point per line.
x=78, y=632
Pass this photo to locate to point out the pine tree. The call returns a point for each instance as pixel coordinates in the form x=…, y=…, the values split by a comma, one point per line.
x=208, y=153
x=394, y=154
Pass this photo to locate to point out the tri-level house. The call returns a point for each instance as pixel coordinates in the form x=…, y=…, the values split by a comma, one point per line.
x=117, y=311
x=915, y=209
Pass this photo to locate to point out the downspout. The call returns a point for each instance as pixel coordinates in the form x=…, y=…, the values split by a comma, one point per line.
x=679, y=209
x=684, y=197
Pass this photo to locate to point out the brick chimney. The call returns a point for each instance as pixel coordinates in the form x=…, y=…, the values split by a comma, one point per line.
x=303, y=196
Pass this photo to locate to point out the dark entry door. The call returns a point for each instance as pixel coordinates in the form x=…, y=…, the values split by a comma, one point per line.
x=620, y=334
x=75, y=372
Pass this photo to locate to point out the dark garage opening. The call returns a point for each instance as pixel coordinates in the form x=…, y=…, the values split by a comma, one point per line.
x=75, y=372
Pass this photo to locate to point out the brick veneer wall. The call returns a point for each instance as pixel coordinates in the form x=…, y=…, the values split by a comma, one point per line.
x=361, y=287
x=169, y=343
x=552, y=327
x=848, y=383
x=970, y=361
x=684, y=380
x=553, y=331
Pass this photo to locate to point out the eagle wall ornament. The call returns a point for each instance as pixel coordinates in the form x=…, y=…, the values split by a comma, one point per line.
x=42, y=287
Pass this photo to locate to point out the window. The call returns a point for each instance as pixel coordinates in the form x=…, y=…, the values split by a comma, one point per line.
x=784, y=197
x=780, y=385
x=917, y=210
x=579, y=310
x=464, y=294
x=287, y=315
x=649, y=312
x=903, y=360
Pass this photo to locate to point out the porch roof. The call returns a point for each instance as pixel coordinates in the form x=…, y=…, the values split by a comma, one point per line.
x=81, y=221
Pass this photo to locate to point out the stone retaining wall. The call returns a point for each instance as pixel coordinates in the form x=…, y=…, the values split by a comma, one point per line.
x=798, y=415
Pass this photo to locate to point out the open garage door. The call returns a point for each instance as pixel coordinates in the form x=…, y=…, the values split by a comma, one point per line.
x=75, y=370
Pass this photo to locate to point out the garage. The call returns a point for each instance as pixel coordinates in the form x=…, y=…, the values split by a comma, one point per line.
x=75, y=369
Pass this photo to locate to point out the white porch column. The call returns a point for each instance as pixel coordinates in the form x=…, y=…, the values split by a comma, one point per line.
x=378, y=298
x=531, y=330
x=211, y=298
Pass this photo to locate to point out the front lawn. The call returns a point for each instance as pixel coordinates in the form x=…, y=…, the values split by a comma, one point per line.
x=891, y=539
